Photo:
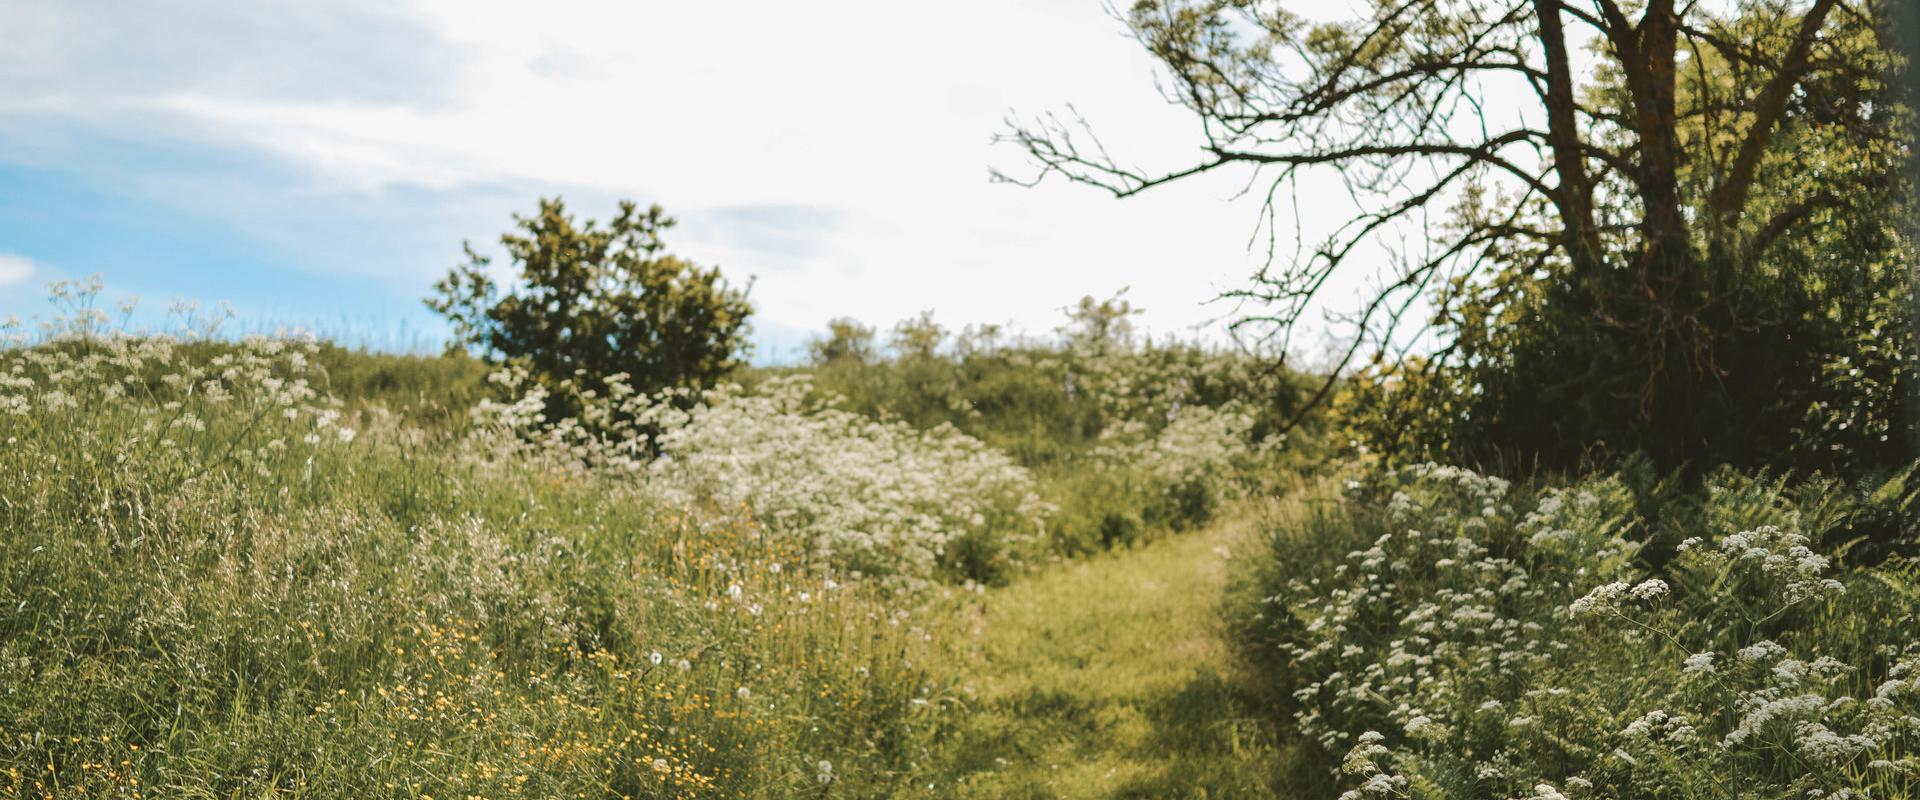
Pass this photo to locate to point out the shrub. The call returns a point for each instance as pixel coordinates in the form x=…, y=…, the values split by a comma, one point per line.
x=590, y=302
x=1180, y=473
x=846, y=338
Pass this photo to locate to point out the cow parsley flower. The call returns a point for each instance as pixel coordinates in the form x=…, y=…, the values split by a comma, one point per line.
x=1599, y=601
x=1763, y=650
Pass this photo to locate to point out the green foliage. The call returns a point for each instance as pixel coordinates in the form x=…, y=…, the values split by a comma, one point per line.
x=846, y=338
x=1684, y=242
x=589, y=302
x=219, y=581
x=871, y=499
x=917, y=337
x=430, y=392
x=1798, y=336
x=1101, y=326
x=1128, y=440
x=1444, y=633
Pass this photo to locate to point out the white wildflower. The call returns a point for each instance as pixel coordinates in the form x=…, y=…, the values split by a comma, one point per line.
x=1600, y=600
x=1763, y=650
x=1650, y=589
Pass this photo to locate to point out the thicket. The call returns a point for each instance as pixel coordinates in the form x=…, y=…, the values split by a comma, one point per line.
x=855, y=496
x=1669, y=379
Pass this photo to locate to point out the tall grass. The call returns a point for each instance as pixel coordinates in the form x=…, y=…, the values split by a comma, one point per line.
x=217, y=580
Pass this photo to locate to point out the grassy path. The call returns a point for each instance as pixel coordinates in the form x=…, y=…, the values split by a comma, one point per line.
x=1110, y=677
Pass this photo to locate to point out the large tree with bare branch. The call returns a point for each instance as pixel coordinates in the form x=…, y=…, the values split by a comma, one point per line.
x=1631, y=170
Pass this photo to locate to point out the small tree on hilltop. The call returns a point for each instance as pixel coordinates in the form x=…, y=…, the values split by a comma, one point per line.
x=846, y=339
x=917, y=337
x=1101, y=326
x=590, y=301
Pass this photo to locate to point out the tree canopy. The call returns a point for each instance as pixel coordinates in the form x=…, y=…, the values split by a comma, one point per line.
x=1663, y=218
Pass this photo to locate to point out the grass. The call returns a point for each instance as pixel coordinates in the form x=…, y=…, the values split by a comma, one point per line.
x=1111, y=676
x=279, y=568
x=198, y=600
x=220, y=580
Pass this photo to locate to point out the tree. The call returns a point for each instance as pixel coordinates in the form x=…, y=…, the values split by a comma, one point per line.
x=1101, y=326
x=846, y=338
x=589, y=302
x=1637, y=201
x=917, y=337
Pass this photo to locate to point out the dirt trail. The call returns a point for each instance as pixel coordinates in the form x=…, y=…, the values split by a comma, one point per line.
x=1110, y=677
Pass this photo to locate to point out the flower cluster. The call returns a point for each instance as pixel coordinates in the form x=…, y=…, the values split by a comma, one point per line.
x=1469, y=629
x=1196, y=444
x=161, y=402
x=861, y=497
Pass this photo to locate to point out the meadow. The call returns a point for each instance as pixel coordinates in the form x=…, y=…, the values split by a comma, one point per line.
x=1079, y=567
x=1541, y=419
x=269, y=565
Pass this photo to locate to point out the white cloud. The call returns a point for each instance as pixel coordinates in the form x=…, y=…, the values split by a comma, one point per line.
x=15, y=270
x=868, y=120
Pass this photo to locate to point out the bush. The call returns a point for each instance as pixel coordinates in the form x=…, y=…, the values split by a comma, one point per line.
x=590, y=302
x=1443, y=633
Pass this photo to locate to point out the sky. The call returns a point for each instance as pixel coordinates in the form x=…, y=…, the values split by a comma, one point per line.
x=320, y=164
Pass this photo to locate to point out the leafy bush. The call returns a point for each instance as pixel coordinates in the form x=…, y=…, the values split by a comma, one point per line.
x=1442, y=633
x=589, y=302
x=846, y=338
x=866, y=497
x=1818, y=378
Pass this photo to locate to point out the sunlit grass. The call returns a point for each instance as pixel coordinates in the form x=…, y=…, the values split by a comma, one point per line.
x=1111, y=677
x=217, y=581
